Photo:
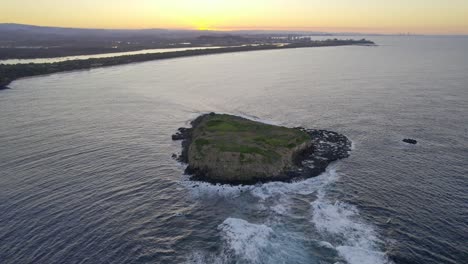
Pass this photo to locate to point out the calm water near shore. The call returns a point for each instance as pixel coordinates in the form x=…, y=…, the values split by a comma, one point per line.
x=86, y=174
x=98, y=56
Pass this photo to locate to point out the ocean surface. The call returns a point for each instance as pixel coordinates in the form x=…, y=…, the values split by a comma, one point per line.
x=86, y=174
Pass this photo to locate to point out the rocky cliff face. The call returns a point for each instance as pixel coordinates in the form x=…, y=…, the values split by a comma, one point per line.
x=232, y=167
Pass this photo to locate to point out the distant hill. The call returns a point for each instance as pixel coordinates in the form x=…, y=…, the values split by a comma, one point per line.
x=20, y=31
x=10, y=31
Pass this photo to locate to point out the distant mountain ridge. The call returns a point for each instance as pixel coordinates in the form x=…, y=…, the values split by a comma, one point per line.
x=19, y=29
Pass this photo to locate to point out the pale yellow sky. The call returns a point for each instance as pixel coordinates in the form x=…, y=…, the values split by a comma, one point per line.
x=379, y=16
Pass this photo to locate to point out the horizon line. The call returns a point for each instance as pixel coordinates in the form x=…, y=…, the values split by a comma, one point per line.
x=234, y=29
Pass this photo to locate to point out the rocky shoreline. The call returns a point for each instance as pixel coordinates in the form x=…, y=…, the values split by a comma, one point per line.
x=310, y=161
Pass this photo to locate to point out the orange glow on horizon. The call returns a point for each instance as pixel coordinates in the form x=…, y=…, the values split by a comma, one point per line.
x=365, y=16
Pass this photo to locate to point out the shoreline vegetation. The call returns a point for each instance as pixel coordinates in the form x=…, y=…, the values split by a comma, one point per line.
x=228, y=149
x=10, y=73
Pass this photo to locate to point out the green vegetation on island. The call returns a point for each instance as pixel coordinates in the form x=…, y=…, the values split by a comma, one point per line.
x=226, y=148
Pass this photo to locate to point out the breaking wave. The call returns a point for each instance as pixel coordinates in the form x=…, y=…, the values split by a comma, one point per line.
x=338, y=233
x=355, y=241
x=246, y=240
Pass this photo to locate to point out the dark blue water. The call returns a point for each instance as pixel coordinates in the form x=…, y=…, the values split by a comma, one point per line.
x=86, y=174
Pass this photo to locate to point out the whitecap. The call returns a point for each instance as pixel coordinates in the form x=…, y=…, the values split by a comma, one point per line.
x=303, y=187
x=356, y=241
x=273, y=196
x=204, y=189
x=244, y=239
x=338, y=223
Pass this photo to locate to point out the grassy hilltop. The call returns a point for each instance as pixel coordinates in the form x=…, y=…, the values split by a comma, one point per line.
x=228, y=148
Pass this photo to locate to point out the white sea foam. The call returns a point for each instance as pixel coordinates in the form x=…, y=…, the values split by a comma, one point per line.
x=280, y=209
x=245, y=239
x=353, y=145
x=357, y=242
x=339, y=223
x=273, y=196
x=203, y=189
x=249, y=243
x=304, y=187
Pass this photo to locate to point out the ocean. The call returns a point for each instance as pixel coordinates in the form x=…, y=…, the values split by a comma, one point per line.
x=86, y=173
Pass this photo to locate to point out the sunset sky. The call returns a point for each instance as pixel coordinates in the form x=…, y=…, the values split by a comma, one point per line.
x=376, y=16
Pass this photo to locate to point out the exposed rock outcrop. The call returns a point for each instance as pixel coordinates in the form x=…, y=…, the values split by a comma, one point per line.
x=410, y=141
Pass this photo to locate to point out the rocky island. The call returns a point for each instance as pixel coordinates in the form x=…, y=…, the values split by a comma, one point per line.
x=228, y=149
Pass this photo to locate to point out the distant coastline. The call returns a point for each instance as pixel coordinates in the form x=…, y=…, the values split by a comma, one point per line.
x=10, y=73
